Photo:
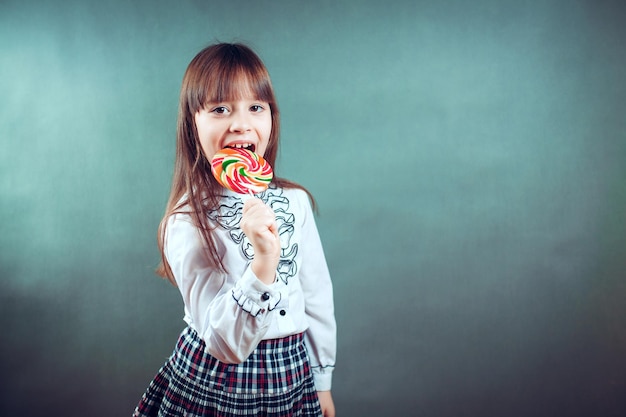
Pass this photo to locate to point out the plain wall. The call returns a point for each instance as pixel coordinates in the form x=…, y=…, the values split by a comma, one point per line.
x=468, y=158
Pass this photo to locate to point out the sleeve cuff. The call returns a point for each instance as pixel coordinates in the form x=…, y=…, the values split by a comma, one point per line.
x=323, y=377
x=253, y=296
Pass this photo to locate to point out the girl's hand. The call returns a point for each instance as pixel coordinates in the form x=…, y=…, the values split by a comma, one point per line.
x=327, y=404
x=258, y=222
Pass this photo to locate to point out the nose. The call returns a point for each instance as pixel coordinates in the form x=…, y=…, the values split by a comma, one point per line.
x=239, y=123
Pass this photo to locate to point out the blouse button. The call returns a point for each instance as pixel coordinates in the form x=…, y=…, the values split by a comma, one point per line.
x=283, y=312
x=265, y=296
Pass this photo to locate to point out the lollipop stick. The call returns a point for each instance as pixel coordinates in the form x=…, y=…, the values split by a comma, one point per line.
x=247, y=196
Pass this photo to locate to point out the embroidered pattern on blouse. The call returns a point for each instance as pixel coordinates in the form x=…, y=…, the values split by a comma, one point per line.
x=228, y=216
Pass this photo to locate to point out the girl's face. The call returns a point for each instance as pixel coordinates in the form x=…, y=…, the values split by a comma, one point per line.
x=242, y=122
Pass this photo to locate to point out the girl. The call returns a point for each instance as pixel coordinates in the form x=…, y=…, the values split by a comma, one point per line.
x=260, y=335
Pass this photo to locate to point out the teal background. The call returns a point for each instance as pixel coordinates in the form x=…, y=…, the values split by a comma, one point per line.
x=468, y=158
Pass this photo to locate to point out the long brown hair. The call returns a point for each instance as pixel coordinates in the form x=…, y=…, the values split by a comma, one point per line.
x=218, y=73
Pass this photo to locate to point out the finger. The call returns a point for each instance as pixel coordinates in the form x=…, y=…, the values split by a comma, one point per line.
x=250, y=204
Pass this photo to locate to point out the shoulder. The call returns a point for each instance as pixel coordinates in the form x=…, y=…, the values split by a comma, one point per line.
x=179, y=223
x=180, y=227
x=296, y=194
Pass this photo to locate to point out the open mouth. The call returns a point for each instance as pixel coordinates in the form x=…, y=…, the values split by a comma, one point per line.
x=247, y=146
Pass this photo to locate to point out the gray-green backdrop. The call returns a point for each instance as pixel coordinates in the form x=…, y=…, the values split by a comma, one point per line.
x=468, y=158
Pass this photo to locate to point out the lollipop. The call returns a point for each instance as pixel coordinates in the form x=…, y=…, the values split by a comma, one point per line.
x=241, y=170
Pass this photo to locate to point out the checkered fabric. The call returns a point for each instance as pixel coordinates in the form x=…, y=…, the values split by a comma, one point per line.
x=274, y=381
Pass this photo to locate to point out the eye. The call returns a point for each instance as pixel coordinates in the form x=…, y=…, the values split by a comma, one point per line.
x=256, y=108
x=219, y=110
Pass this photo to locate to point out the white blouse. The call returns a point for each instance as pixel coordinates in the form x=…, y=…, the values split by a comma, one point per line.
x=232, y=312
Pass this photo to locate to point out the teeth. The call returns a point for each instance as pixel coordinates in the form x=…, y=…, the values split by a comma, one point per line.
x=241, y=145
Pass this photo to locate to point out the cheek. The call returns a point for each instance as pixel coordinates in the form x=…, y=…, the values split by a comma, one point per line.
x=267, y=133
x=209, y=148
x=206, y=146
x=207, y=151
x=268, y=128
x=206, y=136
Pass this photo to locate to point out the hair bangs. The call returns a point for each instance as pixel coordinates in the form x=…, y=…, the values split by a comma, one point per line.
x=236, y=74
x=240, y=83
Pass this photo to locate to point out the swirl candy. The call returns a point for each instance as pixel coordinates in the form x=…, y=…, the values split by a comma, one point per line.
x=241, y=170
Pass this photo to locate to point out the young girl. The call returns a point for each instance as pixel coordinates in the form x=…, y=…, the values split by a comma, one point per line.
x=257, y=294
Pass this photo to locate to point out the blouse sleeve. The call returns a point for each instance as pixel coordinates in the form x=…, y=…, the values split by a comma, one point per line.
x=318, y=295
x=230, y=316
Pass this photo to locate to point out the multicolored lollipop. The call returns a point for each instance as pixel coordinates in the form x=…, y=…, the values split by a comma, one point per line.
x=241, y=170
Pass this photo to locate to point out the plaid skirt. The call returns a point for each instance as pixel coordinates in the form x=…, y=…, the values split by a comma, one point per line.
x=275, y=381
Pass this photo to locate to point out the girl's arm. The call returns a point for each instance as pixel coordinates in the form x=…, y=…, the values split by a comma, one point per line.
x=258, y=222
x=319, y=307
x=230, y=315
